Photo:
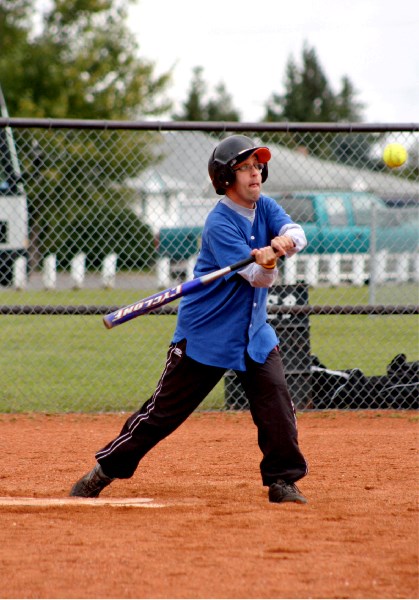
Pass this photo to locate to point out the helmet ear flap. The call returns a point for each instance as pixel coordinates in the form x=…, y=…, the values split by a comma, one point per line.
x=223, y=177
x=226, y=175
x=265, y=172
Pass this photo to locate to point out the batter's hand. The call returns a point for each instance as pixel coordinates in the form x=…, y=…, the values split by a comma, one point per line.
x=265, y=257
x=282, y=244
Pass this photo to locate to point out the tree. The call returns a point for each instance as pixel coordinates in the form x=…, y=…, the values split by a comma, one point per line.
x=100, y=232
x=347, y=107
x=13, y=23
x=197, y=108
x=221, y=107
x=309, y=98
x=193, y=107
x=80, y=63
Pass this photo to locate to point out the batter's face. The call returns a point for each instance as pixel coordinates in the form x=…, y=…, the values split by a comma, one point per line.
x=245, y=190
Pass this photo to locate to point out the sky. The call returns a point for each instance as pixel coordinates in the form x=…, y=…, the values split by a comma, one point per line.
x=247, y=44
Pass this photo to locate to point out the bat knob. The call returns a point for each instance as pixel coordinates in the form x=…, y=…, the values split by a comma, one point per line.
x=107, y=323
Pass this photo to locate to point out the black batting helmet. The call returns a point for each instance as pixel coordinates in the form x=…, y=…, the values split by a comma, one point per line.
x=232, y=151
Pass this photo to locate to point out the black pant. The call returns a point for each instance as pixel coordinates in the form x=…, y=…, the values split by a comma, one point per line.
x=184, y=384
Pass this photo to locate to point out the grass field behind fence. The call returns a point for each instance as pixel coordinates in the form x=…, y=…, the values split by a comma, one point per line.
x=72, y=363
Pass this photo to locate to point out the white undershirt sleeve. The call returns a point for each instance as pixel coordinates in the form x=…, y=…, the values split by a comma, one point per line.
x=298, y=236
x=258, y=276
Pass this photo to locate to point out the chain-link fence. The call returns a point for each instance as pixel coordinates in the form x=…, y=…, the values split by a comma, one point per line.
x=94, y=216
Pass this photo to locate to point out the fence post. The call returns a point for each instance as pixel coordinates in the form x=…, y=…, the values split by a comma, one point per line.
x=402, y=267
x=190, y=264
x=372, y=287
x=382, y=261
x=334, y=269
x=19, y=273
x=358, y=268
x=109, y=271
x=311, y=270
x=163, y=272
x=290, y=270
x=49, y=276
x=416, y=267
x=77, y=270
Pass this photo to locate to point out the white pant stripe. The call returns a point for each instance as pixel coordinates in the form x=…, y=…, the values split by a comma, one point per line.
x=141, y=417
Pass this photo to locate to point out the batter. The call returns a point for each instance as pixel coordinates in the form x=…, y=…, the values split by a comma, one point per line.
x=222, y=327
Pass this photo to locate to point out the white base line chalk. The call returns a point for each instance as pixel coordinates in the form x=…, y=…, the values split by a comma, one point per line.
x=74, y=501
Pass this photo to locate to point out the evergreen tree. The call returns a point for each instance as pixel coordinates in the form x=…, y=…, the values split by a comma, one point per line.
x=347, y=107
x=221, y=107
x=309, y=98
x=193, y=107
x=197, y=108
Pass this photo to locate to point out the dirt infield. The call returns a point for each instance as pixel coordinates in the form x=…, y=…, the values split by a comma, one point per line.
x=194, y=521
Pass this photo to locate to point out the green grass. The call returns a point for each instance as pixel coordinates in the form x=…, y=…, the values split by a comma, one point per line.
x=363, y=342
x=359, y=341
x=72, y=363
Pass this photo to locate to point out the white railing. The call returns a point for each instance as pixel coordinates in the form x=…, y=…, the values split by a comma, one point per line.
x=312, y=269
x=77, y=272
x=333, y=269
x=321, y=269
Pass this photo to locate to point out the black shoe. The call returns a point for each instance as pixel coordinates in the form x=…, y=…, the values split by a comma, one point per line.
x=285, y=492
x=91, y=484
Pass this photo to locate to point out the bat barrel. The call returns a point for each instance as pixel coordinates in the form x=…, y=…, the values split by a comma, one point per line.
x=146, y=305
x=142, y=307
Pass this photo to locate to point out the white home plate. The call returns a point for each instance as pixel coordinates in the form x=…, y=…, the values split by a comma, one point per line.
x=133, y=502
